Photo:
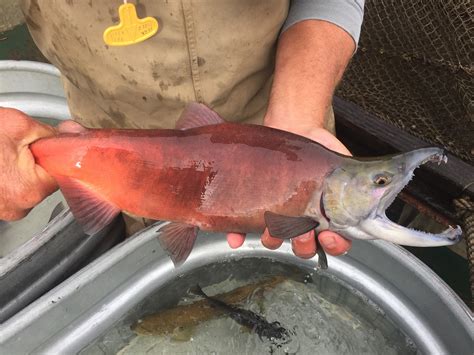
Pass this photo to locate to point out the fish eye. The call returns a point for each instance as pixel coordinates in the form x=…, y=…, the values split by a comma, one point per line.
x=382, y=179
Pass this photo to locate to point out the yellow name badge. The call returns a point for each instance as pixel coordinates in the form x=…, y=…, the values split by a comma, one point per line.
x=131, y=29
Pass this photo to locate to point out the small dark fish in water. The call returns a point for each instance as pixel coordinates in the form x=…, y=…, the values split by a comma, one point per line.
x=249, y=319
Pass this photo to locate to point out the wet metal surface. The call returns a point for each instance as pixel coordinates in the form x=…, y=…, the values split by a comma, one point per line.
x=48, y=258
x=34, y=88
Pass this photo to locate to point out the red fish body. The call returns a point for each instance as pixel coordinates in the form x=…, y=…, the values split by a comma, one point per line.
x=219, y=178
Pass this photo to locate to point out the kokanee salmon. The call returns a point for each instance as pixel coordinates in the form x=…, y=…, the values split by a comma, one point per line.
x=216, y=176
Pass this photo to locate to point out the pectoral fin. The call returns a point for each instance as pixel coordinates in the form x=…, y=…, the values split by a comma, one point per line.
x=285, y=227
x=178, y=240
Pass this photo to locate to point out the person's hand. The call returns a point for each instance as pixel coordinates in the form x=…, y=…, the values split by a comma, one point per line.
x=23, y=184
x=304, y=246
x=302, y=90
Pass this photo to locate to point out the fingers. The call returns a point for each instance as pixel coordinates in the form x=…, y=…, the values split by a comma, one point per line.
x=304, y=246
x=21, y=128
x=235, y=240
x=333, y=243
x=337, y=146
x=327, y=139
x=37, y=130
x=270, y=242
x=23, y=184
x=48, y=183
x=70, y=127
x=13, y=215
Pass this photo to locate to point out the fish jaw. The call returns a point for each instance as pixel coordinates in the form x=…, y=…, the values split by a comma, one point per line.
x=407, y=163
x=368, y=219
x=387, y=230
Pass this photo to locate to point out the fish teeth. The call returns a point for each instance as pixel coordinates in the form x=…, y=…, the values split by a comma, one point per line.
x=436, y=158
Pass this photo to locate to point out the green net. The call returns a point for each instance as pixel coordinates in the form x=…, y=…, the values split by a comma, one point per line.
x=414, y=69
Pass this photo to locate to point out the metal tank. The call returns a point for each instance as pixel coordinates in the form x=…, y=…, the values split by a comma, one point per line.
x=113, y=289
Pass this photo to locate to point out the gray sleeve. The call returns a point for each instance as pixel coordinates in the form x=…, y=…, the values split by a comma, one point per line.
x=347, y=14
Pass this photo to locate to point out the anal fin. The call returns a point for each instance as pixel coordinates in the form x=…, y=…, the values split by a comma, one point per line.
x=91, y=211
x=178, y=240
x=285, y=227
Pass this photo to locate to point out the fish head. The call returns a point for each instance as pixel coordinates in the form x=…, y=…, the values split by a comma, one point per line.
x=357, y=193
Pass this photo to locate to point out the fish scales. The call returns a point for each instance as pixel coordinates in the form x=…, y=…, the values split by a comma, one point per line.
x=220, y=177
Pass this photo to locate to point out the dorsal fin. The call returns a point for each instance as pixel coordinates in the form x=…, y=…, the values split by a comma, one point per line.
x=198, y=115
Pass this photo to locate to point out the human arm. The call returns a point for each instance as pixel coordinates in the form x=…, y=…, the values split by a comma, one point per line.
x=302, y=92
x=316, y=44
x=311, y=58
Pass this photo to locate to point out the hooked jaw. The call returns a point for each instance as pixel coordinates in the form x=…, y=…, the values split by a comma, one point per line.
x=383, y=228
x=379, y=226
x=407, y=163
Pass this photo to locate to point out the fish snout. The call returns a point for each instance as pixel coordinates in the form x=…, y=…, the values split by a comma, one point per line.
x=411, y=160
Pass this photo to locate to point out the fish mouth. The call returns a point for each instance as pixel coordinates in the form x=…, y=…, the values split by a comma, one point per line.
x=407, y=163
x=382, y=227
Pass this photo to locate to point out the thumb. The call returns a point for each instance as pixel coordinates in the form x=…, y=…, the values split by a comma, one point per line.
x=333, y=243
x=70, y=126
